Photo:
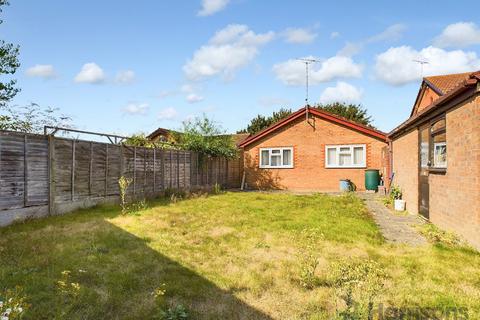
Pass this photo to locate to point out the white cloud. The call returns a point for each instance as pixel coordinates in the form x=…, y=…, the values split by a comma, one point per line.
x=292, y=72
x=45, y=71
x=334, y=34
x=392, y=33
x=342, y=92
x=136, y=108
x=460, y=34
x=194, y=98
x=299, y=35
x=396, y=66
x=167, y=114
x=228, y=50
x=90, y=73
x=125, y=77
x=210, y=7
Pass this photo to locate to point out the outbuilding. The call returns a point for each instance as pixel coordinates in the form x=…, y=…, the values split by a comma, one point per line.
x=436, y=154
x=312, y=150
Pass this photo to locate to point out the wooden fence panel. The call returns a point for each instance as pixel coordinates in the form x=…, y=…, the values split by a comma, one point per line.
x=37, y=170
x=12, y=162
x=114, y=169
x=36, y=175
x=82, y=169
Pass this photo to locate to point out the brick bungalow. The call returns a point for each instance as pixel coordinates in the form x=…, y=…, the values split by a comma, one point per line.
x=436, y=154
x=313, y=152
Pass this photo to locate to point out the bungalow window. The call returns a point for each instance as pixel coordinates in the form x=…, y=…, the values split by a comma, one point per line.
x=345, y=156
x=276, y=157
x=439, y=144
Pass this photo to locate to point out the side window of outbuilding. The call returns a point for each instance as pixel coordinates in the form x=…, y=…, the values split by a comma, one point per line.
x=438, y=133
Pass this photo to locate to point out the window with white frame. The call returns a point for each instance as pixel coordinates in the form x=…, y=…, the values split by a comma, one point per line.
x=346, y=156
x=276, y=157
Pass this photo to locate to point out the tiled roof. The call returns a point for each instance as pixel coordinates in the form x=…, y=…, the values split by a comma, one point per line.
x=447, y=82
x=469, y=82
x=319, y=113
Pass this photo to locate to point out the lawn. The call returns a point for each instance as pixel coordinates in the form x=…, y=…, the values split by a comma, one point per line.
x=227, y=256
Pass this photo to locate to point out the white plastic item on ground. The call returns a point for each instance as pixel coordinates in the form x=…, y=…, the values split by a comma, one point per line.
x=399, y=205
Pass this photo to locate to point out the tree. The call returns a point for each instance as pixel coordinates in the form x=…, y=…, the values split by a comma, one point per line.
x=139, y=140
x=8, y=65
x=353, y=112
x=206, y=137
x=32, y=118
x=261, y=122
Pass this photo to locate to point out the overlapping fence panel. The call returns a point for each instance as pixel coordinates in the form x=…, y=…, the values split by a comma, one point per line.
x=46, y=174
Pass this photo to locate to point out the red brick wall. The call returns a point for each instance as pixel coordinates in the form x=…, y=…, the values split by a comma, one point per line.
x=455, y=196
x=405, y=168
x=428, y=97
x=309, y=172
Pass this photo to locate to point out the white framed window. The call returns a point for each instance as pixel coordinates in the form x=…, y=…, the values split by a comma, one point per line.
x=346, y=156
x=440, y=154
x=276, y=157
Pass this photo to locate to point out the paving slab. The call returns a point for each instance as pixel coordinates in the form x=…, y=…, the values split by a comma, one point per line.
x=395, y=228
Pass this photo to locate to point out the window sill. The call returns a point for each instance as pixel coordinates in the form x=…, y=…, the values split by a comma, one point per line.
x=437, y=170
x=289, y=167
x=339, y=167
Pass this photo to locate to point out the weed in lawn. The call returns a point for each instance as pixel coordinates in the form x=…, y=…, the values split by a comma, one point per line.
x=12, y=304
x=438, y=236
x=123, y=184
x=178, y=312
x=358, y=284
x=309, y=258
x=216, y=189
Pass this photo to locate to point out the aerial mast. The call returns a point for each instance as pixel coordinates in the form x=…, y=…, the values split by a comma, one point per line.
x=307, y=62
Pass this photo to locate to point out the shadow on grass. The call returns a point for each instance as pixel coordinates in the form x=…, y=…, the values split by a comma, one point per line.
x=117, y=272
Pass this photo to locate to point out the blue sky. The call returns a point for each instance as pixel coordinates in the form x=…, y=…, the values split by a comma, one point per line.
x=124, y=67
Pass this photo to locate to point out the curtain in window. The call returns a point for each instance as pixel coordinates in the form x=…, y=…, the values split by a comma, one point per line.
x=332, y=156
x=287, y=157
x=358, y=156
x=265, y=158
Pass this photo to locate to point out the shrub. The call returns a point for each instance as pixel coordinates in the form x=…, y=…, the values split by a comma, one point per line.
x=395, y=192
x=358, y=284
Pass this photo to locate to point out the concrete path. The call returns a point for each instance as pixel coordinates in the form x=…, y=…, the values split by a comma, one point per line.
x=395, y=228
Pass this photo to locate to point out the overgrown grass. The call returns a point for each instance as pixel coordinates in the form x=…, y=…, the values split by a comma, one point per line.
x=227, y=256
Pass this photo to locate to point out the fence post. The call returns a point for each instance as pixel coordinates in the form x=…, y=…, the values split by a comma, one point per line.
x=25, y=172
x=90, y=170
x=171, y=169
x=144, y=171
x=178, y=170
x=134, y=169
x=106, y=170
x=162, y=168
x=51, y=175
x=154, y=171
x=73, y=172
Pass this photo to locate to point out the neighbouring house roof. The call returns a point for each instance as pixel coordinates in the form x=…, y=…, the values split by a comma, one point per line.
x=160, y=132
x=237, y=137
x=321, y=114
x=468, y=83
